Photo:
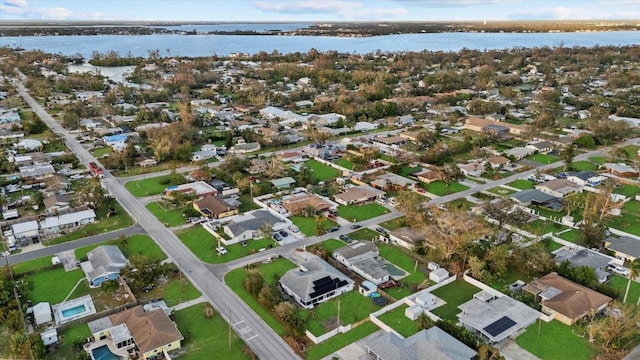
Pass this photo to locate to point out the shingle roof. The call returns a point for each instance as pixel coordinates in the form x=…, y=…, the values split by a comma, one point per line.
x=150, y=330
x=105, y=259
x=431, y=344
x=626, y=245
x=214, y=205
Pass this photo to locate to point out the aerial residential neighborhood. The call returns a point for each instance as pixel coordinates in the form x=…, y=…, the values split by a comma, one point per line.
x=319, y=205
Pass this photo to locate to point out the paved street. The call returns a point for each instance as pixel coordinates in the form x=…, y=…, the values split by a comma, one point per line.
x=249, y=326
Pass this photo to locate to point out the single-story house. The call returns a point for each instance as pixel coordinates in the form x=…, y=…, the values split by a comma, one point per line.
x=298, y=203
x=150, y=332
x=145, y=161
x=558, y=187
x=104, y=263
x=365, y=126
x=283, y=183
x=391, y=181
x=26, y=230
x=29, y=144
x=624, y=247
x=406, y=237
x=291, y=156
x=475, y=169
x=565, y=299
x=584, y=257
x=245, y=148
x=36, y=171
x=518, y=152
x=498, y=161
x=314, y=281
x=496, y=319
x=198, y=189
x=214, y=207
x=203, y=155
x=57, y=202
x=248, y=225
x=363, y=258
x=426, y=175
x=390, y=140
x=488, y=125
x=54, y=224
x=580, y=177
x=544, y=147
x=531, y=197
x=621, y=169
x=429, y=344
x=359, y=195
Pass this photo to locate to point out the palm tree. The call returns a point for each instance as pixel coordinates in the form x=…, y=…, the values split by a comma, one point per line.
x=567, y=155
x=319, y=222
x=634, y=272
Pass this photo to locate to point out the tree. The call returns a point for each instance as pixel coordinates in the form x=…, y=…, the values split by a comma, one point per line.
x=319, y=223
x=275, y=168
x=585, y=141
x=596, y=213
x=617, y=153
x=143, y=270
x=410, y=203
x=634, y=272
x=497, y=260
x=424, y=322
x=269, y=297
x=617, y=330
x=207, y=310
x=488, y=352
x=567, y=154
x=266, y=230
x=450, y=173
x=254, y=282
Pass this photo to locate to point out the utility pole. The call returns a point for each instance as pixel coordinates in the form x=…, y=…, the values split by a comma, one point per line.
x=338, y=321
x=180, y=275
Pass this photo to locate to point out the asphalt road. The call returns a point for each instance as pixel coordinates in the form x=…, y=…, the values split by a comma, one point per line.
x=246, y=323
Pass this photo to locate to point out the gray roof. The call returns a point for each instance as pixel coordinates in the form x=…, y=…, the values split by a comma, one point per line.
x=285, y=181
x=356, y=249
x=260, y=217
x=583, y=257
x=105, y=259
x=300, y=280
x=626, y=245
x=36, y=170
x=431, y=344
x=99, y=325
x=480, y=315
x=528, y=195
x=582, y=175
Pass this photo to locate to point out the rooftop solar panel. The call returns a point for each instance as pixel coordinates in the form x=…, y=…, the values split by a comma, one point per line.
x=499, y=326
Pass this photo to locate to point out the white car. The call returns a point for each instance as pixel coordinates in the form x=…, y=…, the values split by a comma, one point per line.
x=221, y=250
x=76, y=177
x=618, y=270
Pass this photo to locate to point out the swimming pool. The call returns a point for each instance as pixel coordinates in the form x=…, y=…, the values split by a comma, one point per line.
x=103, y=353
x=76, y=310
x=393, y=270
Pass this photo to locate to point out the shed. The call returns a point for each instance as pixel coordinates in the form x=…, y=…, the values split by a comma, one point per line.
x=367, y=288
x=413, y=312
x=439, y=275
x=49, y=337
x=42, y=313
x=426, y=300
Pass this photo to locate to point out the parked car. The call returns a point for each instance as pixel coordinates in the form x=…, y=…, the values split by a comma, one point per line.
x=381, y=230
x=283, y=233
x=294, y=228
x=148, y=288
x=356, y=226
x=618, y=269
x=277, y=237
x=333, y=229
x=345, y=238
x=221, y=250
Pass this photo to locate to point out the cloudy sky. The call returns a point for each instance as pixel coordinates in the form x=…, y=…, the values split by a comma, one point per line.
x=318, y=10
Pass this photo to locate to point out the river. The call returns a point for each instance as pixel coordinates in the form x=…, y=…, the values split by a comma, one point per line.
x=223, y=45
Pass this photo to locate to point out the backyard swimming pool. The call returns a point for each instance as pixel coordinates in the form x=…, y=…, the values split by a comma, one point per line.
x=67, y=313
x=103, y=353
x=394, y=270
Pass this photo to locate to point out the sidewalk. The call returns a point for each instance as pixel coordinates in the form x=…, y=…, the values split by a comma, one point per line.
x=186, y=304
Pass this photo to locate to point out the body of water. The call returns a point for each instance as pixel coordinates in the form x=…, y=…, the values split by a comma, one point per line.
x=223, y=45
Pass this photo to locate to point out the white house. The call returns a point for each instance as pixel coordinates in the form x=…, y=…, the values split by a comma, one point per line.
x=363, y=258
x=365, y=126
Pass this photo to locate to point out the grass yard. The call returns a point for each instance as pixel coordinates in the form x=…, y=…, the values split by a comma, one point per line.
x=401, y=259
x=150, y=186
x=554, y=341
x=599, y=159
x=584, y=166
x=620, y=283
x=540, y=227
x=441, y=189
x=522, y=184
x=455, y=294
x=205, y=337
x=543, y=158
x=394, y=224
x=31, y=265
x=203, y=245
x=631, y=150
x=551, y=245
x=571, y=236
x=332, y=244
x=270, y=272
x=135, y=245
x=364, y=234
x=399, y=322
x=317, y=352
x=344, y=163
x=166, y=213
x=629, y=191
x=64, y=350
x=363, y=212
x=629, y=219
x=173, y=291
x=98, y=153
x=54, y=285
x=307, y=225
x=322, y=172
x=354, y=307
x=103, y=224
x=501, y=191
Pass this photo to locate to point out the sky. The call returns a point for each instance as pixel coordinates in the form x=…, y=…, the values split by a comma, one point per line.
x=318, y=10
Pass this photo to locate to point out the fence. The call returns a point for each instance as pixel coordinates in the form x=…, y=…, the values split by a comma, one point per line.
x=327, y=335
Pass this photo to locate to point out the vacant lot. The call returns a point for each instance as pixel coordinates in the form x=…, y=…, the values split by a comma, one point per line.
x=554, y=341
x=363, y=212
x=150, y=186
x=522, y=184
x=322, y=172
x=169, y=215
x=543, y=158
x=441, y=189
x=308, y=225
x=584, y=166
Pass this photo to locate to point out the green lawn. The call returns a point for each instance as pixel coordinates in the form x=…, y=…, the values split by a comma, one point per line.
x=401, y=259
x=571, y=236
x=31, y=265
x=541, y=227
x=406, y=170
x=150, y=186
x=584, y=166
x=554, y=341
x=363, y=212
x=339, y=341
x=54, y=285
x=620, y=283
x=455, y=294
x=399, y=322
x=631, y=150
x=206, y=337
x=167, y=213
x=98, y=153
x=332, y=244
x=599, y=159
x=103, y=224
x=501, y=191
x=354, y=307
x=441, y=189
x=203, y=245
x=364, y=234
x=629, y=191
x=629, y=219
x=270, y=272
x=135, y=245
x=551, y=245
x=64, y=349
x=344, y=163
x=322, y=172
x=307, y=224
x=394, y=224
x=522, y=184
x=543, y=158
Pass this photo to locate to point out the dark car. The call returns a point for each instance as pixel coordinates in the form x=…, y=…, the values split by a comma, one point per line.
x=277, y=237
x=356, y=226
x=283, y=233
x=381, y=230
x=346, y=238
x=333, y=229
x=148, y=288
